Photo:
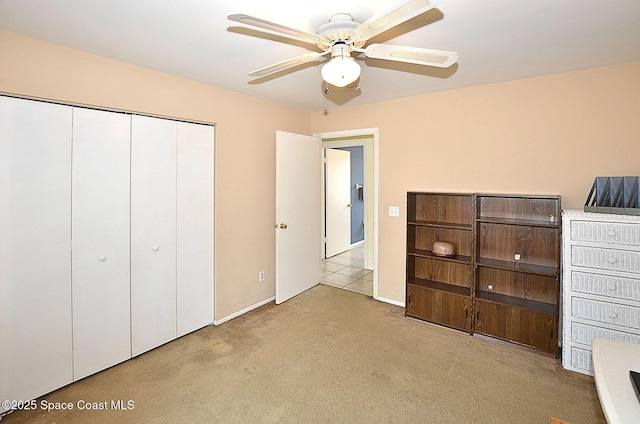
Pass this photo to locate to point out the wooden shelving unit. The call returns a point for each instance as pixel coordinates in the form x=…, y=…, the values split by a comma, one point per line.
x=439, y=289
x=518, y=269
x=503, y=281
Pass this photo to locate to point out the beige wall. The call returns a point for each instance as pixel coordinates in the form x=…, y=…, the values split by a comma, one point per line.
x=552, y=134
x=245, y=145
x=547, y=135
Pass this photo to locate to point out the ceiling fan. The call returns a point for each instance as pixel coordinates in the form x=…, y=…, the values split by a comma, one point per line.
x=342, y=35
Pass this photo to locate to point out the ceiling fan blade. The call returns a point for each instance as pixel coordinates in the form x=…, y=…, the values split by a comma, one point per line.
x=286, y=64
x=275, y=28
x=438, y=58
x=394, y=16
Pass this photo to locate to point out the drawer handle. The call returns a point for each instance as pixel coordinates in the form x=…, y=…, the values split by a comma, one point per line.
x=612, y=260
x=613, y=315
x=103, y=258
x=611, y=233
x=612, y=286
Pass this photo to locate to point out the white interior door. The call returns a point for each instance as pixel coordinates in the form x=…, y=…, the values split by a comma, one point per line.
x=298, y=213
x=100, y=228
x=337, y=201
x=35, y=248
x=153, y=232
x=195, y=227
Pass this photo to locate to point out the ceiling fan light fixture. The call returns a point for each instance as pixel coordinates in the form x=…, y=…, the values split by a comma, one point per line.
x=342, y=69
x=341, y=72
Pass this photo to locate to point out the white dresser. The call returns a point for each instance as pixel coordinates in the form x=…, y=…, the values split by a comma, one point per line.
x=600, y=283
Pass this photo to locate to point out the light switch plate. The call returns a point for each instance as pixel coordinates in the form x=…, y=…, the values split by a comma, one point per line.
x=394, y=211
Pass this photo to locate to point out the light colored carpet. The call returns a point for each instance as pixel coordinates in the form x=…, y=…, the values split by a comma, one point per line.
x=330, y=356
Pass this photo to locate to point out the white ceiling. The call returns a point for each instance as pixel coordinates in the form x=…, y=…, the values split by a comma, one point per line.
x=497, y=40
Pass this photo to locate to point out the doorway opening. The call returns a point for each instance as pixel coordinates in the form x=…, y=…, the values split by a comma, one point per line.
x=356, y=268
x=346, y=271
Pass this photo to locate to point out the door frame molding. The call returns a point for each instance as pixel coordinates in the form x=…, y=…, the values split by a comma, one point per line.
x=328, y=140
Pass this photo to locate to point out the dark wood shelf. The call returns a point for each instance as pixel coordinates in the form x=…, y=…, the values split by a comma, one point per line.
x=428, y=254
x=441, y=208
x=522, y=222
x=514, y=209
x=434, y=285
x=502, y=196
x=518, y=267
x=435, y=224
x=517, y=302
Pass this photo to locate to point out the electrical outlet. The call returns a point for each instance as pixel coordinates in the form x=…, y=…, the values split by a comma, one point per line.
x=394, y=211
x=261, y=276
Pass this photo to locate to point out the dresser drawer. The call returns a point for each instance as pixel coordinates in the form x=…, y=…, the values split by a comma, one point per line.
x=605, y=259
x=581, y=359
x=584, y=334
x=605, y=285
x=605, y=232
x=609, y=313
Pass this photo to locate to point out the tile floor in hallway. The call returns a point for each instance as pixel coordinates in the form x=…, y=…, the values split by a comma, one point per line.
x=346, y=271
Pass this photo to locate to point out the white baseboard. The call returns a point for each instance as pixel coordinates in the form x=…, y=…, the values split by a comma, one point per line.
x=271, y=299
x=393, y=302
x=244, y=311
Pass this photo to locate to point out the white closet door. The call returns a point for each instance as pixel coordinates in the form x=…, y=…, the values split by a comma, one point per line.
x=35, y=248
x=153, y=232
x=195, y=227
x=100, y=228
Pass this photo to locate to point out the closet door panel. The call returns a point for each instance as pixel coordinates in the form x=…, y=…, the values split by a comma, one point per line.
x=100, y=265
x=153, y=233
x=35, y=248
x=195, y=227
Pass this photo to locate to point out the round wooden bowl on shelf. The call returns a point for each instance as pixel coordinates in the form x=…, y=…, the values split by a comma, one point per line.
x=444, y=249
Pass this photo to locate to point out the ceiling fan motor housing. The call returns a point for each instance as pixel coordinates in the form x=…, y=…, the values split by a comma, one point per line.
x=339, y=31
